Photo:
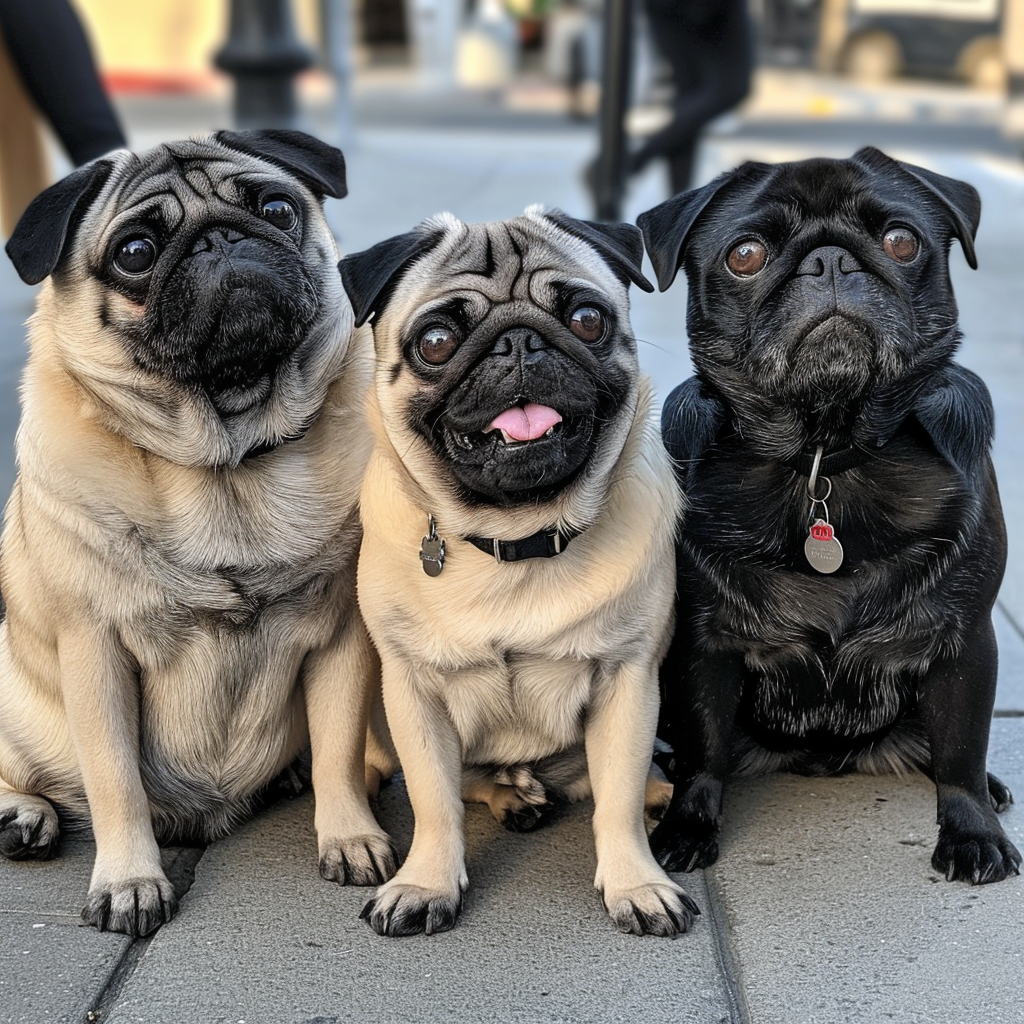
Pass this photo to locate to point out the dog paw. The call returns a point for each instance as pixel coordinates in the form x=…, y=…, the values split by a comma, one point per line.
x=978, y=859
x=685, y=845
x=527, y=817
x=359, y=860
x=28, y=828
x=399, y=910
x=999, y=794
x=136, y=906
x=657, y=908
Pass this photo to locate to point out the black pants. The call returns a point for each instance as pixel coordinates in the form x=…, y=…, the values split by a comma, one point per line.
x=710, y=54
x=49, y=49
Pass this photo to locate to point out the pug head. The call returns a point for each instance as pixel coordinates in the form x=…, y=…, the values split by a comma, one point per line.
x=507, y=369
x=192, y=289
x=819, y=291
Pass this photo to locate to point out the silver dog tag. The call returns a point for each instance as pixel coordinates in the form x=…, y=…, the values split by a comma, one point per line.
x=822, y=548
x=432, y=550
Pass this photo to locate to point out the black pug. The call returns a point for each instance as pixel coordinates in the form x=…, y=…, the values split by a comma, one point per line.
x=843, y=541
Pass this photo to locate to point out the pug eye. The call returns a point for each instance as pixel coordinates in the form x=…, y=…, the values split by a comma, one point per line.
x=587, y=323
x=437, y=345
x=280, y=213
x=900, y=244
x=135, y=256
x=747, y=258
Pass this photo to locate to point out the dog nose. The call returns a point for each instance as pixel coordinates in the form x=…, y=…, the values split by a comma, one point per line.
x=217, y=238
x=518, y=340
x=828, y=260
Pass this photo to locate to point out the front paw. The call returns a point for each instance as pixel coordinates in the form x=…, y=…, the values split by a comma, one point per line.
x=658, y=908
x=28, y=828
x=978, y=858
x=358, y=860
x=683, y=843
x=136, y=906
x=399, y=910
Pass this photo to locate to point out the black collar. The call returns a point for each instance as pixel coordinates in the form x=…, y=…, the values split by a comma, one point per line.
x=838, y=461
x=542, y=544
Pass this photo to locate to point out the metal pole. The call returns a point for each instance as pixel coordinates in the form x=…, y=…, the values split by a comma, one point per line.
x=264, y=55
x=336, y=19
x=1013, y=54
x=616, y=51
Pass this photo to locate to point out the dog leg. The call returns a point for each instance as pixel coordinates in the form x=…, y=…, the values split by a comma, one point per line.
x=426, y=894
x=129, y=891
x=339, y=684
x=639, y=896
x=687, y=835
x=956, y=700
x=28, y=825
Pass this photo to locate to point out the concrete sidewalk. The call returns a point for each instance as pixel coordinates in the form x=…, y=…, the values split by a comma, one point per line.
x=823, y=907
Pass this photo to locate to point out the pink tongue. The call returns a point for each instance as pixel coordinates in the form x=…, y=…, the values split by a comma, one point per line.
x=527, y=423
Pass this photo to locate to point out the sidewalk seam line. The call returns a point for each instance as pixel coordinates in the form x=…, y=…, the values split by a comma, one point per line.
x=728, y=962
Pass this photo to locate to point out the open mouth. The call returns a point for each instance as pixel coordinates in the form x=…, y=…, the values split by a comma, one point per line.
x=517, y=427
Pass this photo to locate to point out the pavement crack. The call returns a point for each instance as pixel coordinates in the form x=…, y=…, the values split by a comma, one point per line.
x=180, y=867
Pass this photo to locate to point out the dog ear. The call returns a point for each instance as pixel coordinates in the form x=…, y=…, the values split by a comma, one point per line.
x=41, y=235
x=369, y=276
x=313, y=162
x=690, y=421
x=666, y=227
x=961, y=200
x=621, y=245
x=959, y=418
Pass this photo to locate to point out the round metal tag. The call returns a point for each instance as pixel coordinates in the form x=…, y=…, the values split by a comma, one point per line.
x=823, y=555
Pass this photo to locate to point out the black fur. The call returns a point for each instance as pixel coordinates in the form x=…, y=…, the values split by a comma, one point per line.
x=320, y=166
x=45, y=229
x=890, y=662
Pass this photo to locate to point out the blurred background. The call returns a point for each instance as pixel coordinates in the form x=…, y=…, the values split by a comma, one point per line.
x=602, y=108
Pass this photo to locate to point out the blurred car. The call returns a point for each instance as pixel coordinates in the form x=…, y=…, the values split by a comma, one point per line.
x=934, y=38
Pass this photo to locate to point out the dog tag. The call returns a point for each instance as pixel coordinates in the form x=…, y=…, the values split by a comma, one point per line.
x=432, y=550
x=822, y=548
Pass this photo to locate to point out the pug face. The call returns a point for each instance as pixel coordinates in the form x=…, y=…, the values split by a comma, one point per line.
x=202, y=271
x=818, y=289
x=507, y=366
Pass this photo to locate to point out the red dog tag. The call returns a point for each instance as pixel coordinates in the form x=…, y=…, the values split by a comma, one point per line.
x=822, y=531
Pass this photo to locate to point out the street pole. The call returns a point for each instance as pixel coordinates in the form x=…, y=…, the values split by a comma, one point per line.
x=1013, y=54
x=616, y=51
x=264, y=54
x=336, y=22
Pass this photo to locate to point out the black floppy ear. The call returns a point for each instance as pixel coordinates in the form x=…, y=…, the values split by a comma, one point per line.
x=690, y=420
x=39, y=238
x=666, y=227
x=621, y=245
x=369, y=276
x=960, y=199
x=958, y=417
x=313, y=162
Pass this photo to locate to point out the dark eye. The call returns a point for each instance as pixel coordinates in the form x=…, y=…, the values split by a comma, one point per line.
x=587, y=323
x=747, y=258
x=280, y=213
x=135, y=256
x=900, y=244
x=437, y=345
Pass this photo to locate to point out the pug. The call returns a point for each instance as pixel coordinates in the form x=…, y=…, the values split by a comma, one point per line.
x=843, y=543
x=516, y=569
x=179, y=548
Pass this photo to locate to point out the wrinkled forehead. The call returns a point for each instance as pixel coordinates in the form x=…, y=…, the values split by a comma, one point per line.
x=175, y=177
x=818, y=191
x=524, y=259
